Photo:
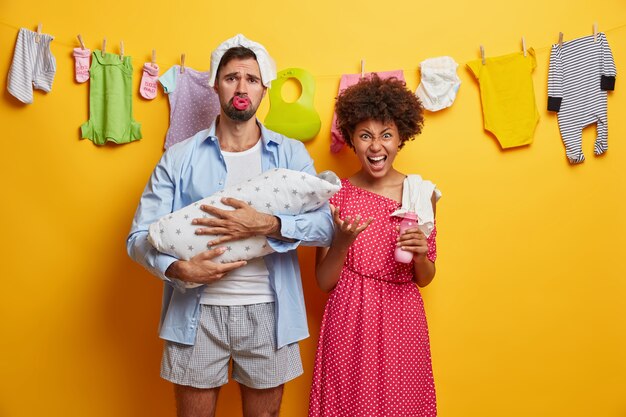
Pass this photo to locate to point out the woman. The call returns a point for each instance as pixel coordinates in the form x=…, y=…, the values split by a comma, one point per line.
x=373, y=356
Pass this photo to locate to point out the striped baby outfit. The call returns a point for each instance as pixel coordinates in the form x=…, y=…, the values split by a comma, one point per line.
x=33, y=65
x=580, y=74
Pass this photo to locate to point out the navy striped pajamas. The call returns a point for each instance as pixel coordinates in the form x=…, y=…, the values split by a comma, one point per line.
x=580, y=74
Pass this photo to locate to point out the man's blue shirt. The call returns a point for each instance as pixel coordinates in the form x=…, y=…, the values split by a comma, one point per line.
x=194, y=169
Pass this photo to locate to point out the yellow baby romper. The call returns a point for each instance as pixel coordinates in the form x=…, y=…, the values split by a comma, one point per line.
x=508, y=97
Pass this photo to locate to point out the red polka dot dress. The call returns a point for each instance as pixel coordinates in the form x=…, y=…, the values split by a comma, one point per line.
x=373, y=356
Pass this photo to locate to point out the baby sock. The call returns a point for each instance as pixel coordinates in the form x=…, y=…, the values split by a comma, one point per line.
x=81, y=64
x=148, y=87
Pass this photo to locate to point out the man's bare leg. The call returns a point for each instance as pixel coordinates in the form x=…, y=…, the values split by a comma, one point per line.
x=195, y=402
x=261, y=402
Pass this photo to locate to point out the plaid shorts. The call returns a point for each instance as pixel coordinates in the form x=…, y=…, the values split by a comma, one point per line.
x=244, y=333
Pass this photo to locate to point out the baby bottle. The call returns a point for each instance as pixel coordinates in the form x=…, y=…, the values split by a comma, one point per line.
x=408, y=222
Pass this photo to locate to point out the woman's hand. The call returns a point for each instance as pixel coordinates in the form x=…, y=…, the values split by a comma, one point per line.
x=329, y=261
x=415, y=241
x=348, y=228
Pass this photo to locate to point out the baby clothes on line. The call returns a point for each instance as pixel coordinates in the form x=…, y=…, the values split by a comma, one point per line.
x=439, y=83
x=81, y=64
x=337, y=141
x=110, y=101
x=148, y=85
x=193, y=103
x=299, y=119
x=508, y=97
x=33, y=65
x=580, y=74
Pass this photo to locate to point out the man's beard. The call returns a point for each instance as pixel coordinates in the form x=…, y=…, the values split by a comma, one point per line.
x=239, y=115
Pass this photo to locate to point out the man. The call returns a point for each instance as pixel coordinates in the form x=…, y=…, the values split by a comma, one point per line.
x=249, y=312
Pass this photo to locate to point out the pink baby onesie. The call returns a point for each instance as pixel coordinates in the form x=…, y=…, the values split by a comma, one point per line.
x=336, y=140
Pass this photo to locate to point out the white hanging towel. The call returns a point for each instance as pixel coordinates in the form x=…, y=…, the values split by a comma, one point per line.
x=416, y=194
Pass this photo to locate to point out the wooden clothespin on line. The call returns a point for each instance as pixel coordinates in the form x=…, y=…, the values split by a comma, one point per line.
x=482, y=54
x=104, y=45
x=524, y=45
x=38, y=37
x=561, y=39
x=121, y=50
x=154, y=58
x=80, y=40
x=595, y=31
x=362, y=68
x=182, y=63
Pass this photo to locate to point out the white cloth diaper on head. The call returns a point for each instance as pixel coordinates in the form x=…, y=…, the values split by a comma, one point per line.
x=266, y=63
x=439, y=83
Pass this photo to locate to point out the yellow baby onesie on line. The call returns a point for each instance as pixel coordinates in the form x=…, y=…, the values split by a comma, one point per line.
x=508, y=97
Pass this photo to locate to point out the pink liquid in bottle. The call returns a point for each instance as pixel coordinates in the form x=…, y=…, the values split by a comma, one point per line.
x=408, y=222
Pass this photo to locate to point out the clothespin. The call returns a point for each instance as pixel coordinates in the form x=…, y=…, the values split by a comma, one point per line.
x=595, y=31
x=524, y=45
x=154, y=58
x=104, y=45
x=482, y=54
x=80, y=39
x=121, y=50
x=561, y=39
x=182, y=63
x=38, y=37
x=362, y=68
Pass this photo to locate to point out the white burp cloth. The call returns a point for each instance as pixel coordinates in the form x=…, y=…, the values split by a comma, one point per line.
x=416, y=195
x=266, y=63
x=439, y=83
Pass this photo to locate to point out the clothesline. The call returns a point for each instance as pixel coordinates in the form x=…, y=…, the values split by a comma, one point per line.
x=537, y=50
x=334, y=76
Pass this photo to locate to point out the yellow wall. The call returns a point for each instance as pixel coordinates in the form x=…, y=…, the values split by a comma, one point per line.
x=527, y=312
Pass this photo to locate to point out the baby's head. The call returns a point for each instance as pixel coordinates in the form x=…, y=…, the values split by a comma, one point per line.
x=382, y=100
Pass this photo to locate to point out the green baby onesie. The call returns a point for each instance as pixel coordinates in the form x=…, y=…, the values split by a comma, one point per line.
x=110, y=101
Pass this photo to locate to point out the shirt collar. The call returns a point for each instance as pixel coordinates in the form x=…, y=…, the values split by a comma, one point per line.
x=267, y=135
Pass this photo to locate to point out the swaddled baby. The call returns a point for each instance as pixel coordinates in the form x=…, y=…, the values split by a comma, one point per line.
x=276, y=191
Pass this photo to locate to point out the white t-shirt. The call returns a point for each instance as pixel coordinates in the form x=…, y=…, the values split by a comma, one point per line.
x=249, y=284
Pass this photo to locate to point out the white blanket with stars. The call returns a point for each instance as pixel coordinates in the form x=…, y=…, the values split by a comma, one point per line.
x=276, y=191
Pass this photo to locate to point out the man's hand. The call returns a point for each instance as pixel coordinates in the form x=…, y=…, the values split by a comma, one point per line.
x=240, y=223
x=201, y=269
